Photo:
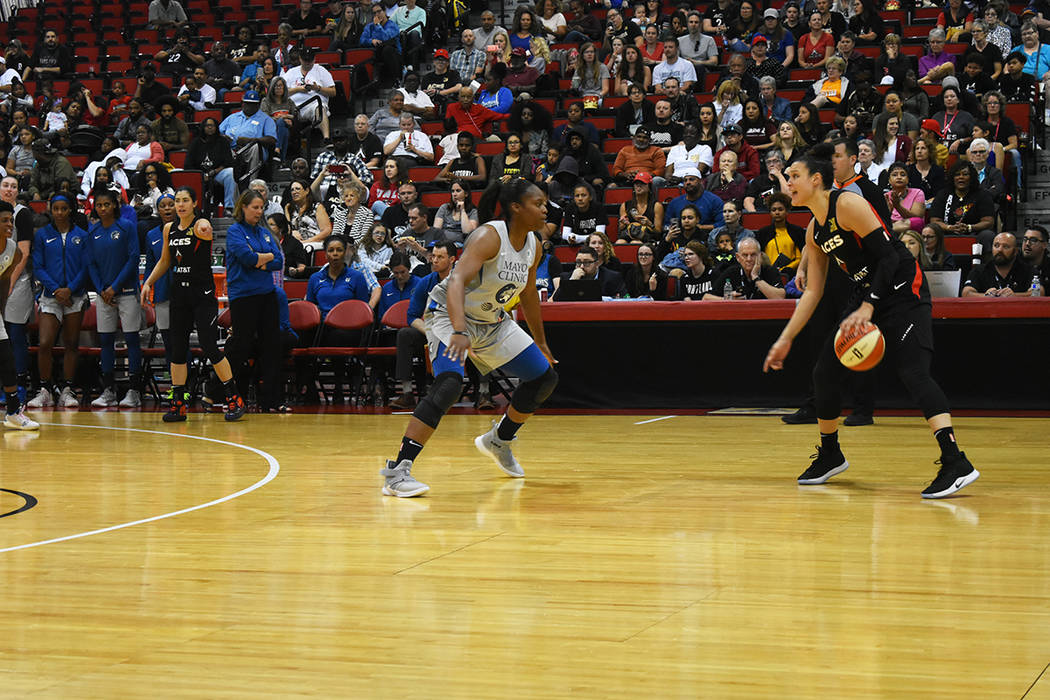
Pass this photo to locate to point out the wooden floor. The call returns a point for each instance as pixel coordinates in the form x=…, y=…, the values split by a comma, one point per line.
x=668, y=559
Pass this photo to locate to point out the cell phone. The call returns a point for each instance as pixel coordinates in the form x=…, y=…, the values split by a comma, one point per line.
x=492, y=48
x=336, y=169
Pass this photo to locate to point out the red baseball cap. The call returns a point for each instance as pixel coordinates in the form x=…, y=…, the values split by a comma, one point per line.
x=441, y=53
x=931, y=125
x=645, y=177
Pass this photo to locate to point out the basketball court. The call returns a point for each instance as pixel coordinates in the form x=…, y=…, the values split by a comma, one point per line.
x=642, y=556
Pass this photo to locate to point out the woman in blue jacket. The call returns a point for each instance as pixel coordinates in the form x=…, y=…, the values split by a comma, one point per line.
x=113, y=263
x=59, y=265
x=383, y=36
x=253, y=261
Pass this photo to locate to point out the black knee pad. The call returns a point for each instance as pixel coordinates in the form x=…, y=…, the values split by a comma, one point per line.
x=7, y=363
x=442, y=395
x=530, y=395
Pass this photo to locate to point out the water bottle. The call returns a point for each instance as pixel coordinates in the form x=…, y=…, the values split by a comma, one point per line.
x=727, y=291
x=1035, y=285
x=976, y=250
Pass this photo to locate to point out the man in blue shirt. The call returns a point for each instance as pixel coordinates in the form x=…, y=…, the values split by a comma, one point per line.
x=401, y=284
x=412, y=338
x=709, y=205
x=252, y=134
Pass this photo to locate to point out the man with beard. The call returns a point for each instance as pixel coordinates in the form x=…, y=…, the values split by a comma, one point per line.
x=148, y=89
x=170, y=131
x=684, y=108
x=339, y=154
x=709, y=205
x=52, y=60
x=1033, y=248
x=129, y=125
x=1006, y=275
x=664, y=131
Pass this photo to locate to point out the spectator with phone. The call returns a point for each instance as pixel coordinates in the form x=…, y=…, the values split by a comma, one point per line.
x=336, y=164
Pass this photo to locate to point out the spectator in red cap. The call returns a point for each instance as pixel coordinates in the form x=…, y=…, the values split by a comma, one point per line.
x=442, y=84
x=520, y=78
x=930, y=131
x=761, y=64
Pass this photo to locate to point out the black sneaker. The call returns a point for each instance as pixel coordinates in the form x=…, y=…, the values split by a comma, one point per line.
x=955, y=473
x=859, y=419
x=803, y=416
x=177, y=411
x=825, y=465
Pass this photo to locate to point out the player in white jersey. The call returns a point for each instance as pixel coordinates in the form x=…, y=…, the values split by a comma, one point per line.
x=10, y=256
x=465, y=315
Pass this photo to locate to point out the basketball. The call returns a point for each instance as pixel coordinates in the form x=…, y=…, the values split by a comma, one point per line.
x=862, y=349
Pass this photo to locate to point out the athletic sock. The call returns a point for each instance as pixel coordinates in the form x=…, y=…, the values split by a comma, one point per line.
x=178, y=392
x=507, y=428
x=230, y=387
x=946, y=439
x=13, y=404
x=410, y=449
x=829, y=442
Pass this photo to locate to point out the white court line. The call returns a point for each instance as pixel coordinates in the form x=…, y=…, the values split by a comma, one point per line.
x=275, y=469
x=643, y=422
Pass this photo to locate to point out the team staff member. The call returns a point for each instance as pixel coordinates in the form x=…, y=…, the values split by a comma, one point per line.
x=162, y=289
x=10, y=257
x=253, y=255
x=59, y=265
x=187, y=250
x=19, y=304
x=891, y=289
x=113, y=263
x=337, y=281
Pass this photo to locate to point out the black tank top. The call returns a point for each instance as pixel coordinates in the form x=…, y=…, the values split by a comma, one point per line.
x=190, y=258
x=845, y=248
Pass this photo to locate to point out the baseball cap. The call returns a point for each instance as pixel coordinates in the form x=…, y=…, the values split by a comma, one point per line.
x=732, y=129
x=771, y=12
x=251, y=96
x=645, y=177
x=307, y=53
x=759, y=39
x=441, y=53
x=950, y=81
x=931, y=125
x=518, y=51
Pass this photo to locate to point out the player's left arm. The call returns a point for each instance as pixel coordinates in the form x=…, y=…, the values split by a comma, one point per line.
x=856, y=214
x=530, y=307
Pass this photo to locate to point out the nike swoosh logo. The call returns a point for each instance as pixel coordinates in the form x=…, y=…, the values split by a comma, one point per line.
x=960, y=482
x=51, y=240
x=898, y=286
x=208, y=292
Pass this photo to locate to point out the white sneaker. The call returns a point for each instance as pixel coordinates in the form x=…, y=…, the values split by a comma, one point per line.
x=42, y=400
x=489, y=444
x=108, y=399
x=68, y=398
x=132, y=399
x=400, y=482
x=19, y=421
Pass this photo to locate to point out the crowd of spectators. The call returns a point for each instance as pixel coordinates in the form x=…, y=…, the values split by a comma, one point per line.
x=666, y=127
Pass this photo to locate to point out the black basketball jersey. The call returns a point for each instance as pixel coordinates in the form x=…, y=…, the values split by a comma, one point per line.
x=190, y=258
x=845, y=248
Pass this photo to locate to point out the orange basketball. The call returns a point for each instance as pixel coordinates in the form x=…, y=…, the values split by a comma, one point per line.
x=862, y=349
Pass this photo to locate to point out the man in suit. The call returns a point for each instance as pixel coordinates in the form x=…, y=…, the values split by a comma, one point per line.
x=588, y=268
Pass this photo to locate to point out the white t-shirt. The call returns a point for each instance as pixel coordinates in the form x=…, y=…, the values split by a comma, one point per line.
x=418, y=99
x=295, y=78
x=556, y=20
x=420, y=140
x=681, y=69
x=680, y=157
x=8, y=76
x=207, y=96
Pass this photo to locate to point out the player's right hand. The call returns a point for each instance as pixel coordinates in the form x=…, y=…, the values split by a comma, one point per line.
x=777, y=354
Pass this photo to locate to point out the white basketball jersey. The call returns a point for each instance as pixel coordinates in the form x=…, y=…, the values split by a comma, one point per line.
x=499, y=280
x=7, y=257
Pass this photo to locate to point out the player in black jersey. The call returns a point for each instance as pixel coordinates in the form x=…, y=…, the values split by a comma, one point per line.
x=891, y=291
x=187, y=249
